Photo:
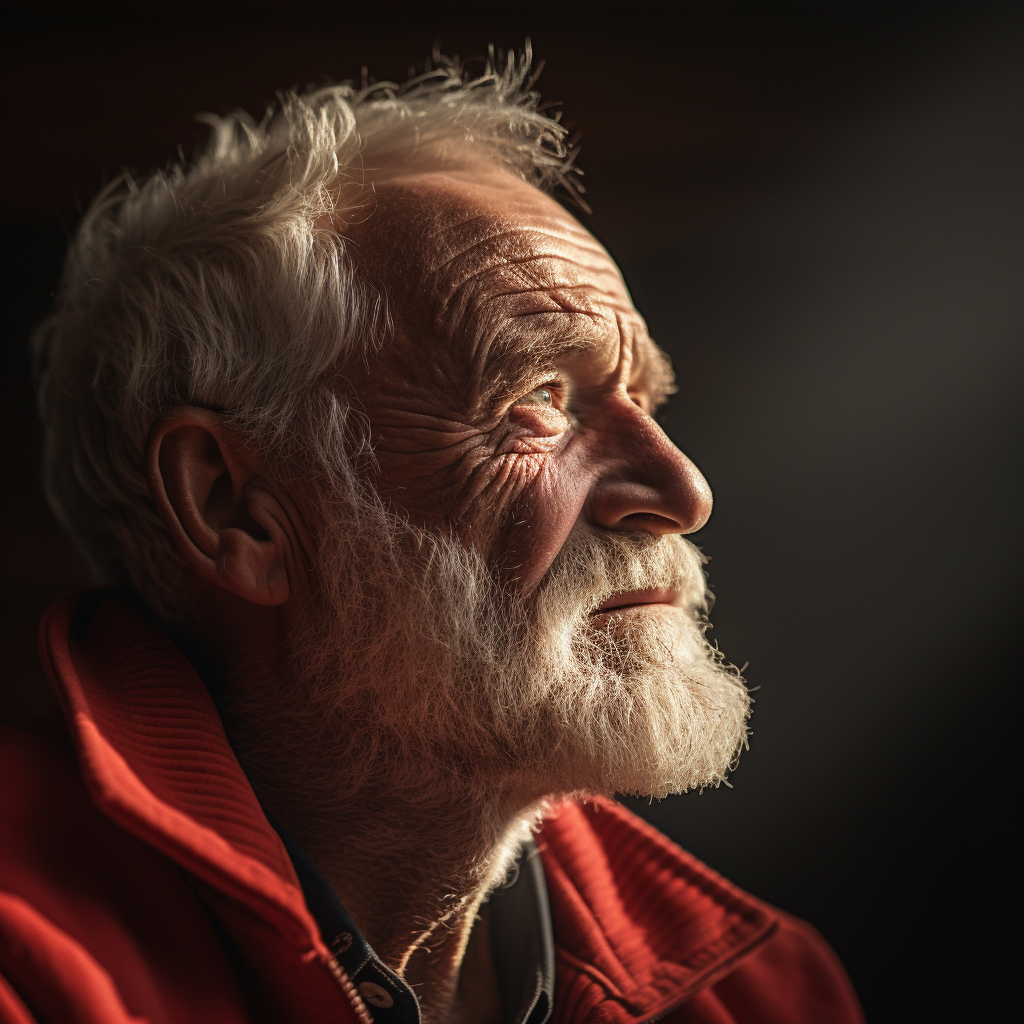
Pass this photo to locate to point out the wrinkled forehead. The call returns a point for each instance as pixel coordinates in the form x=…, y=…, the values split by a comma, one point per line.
x=443, y=230
x=495, y=268
x=455, y=236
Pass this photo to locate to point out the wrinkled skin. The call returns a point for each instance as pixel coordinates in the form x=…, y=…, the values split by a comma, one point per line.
x=512, y=405
x=514, y=402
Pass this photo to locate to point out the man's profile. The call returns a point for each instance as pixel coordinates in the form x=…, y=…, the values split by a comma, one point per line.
x=353, y=420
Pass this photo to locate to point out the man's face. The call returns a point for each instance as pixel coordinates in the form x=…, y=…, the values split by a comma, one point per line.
x=532, y=619
x=514, y=402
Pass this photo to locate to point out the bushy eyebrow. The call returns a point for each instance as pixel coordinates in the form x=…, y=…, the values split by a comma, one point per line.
x=654, y=373
x=518, y=356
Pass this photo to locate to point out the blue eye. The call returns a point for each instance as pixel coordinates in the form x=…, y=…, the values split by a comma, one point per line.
x=544, y=396
x=541, y=396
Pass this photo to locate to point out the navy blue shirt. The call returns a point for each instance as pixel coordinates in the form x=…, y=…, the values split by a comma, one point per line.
x=522, y=943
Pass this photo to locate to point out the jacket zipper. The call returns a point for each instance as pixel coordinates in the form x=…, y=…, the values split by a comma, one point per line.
x=345, y=984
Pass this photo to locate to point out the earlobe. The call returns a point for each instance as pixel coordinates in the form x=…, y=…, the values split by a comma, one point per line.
x=205, y=486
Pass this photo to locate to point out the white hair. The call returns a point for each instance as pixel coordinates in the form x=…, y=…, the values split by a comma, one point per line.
x=226, y=284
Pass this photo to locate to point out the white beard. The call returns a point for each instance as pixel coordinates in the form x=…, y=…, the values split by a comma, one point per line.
x=425, y=672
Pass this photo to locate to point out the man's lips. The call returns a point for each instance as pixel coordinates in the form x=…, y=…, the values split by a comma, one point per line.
x=637, y=598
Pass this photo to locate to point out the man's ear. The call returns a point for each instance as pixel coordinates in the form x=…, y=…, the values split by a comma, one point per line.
x=220, y=511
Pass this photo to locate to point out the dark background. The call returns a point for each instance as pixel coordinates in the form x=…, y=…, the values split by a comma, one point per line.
x=821, y=217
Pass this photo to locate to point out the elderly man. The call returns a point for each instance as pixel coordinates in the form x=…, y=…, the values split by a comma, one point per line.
x=355, y=422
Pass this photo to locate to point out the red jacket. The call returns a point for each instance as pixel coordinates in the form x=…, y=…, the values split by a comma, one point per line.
x=140, y=880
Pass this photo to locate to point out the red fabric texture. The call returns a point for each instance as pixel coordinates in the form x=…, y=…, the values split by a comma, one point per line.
x=140, y=880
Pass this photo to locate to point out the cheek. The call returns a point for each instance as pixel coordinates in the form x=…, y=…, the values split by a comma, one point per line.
x=454, y=474
x=432, y=474
x=537, y=518
x=516, y=508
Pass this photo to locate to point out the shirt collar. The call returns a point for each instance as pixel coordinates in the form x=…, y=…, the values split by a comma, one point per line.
x=522, y=941
x=522, y=945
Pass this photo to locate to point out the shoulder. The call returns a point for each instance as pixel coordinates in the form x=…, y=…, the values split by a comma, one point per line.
x=42, y=800
x=794, y=976
x=50, y=831
x=48, y=834
x=90, y=917
x=731, y=956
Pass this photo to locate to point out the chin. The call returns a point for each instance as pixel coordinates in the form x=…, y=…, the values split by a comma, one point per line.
x=638, y=703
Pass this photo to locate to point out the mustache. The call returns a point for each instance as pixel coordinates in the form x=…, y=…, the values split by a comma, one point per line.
x=593, y=567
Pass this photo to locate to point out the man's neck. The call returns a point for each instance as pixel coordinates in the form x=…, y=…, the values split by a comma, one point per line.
x=414, y=877
x=411, y=852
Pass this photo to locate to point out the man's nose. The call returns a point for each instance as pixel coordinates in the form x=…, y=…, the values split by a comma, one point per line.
x=648, y=484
